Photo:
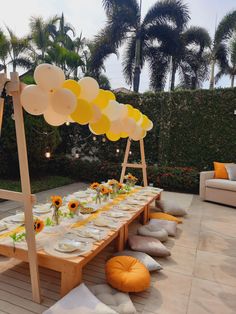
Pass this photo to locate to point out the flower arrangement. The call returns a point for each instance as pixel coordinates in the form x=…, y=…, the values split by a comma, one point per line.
x=97, y=187
x=130, y=180
x=18, y=237
x=105, y=192
x=73, y=207
x=56, y=204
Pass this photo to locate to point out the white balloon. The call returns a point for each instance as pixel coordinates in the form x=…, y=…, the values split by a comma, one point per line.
x=116, y=127
x=137, y=134
x=63, y=101
x=124, y=111
x=150, y=126
x=49, y=77
x=34, y=100
x=89, y=88
x=113, y=110
x=53, y=118
x=128, y=125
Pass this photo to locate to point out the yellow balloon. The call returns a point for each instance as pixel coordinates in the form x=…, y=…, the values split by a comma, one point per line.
x=83, y=112
x=145, y=122
x=144, y=133
x=73, y=86
x=124, y=135
x=96, y=114
x=110, y=95
x=113, y=137
x=101, y=126
x=102, y=99
x=130, y=110
x=136, y=115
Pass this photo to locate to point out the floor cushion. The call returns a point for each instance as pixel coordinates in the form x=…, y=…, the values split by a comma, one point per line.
x=127, y=274
x=153, y=231
x=80, y=300
x=144, y=258
x=164, y=216
x=118, y=301
x=170, y=207
x=169, y=226
x=148, y=245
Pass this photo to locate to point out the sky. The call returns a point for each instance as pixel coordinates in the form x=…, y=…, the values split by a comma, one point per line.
x=88, y=17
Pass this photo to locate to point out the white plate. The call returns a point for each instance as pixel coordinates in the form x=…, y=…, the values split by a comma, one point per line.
x=18, y=218
x=3, y=227
x=116, y=214
x=93, y=233
x=49, y=248
x=42, y=209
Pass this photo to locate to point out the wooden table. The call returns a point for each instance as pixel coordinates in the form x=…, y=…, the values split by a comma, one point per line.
x=71, y=269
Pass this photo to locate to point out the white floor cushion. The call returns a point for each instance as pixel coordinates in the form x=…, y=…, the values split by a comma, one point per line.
x=145, y=259
x=80, y=300
x=153, y=231
x=171, y=207
x=118, y=301
x=169, y=226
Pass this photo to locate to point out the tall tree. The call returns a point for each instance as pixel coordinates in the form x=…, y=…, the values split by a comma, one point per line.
x=223, y=33
x=228, y=62
x=4, y=51
x=124, y=21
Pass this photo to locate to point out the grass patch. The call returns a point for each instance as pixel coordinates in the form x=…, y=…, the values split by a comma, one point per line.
x=37, y=185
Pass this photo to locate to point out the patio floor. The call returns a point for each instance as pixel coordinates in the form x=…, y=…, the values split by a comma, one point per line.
x=198, y=278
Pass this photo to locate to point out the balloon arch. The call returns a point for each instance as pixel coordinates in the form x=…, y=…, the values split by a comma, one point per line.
x=61, y=101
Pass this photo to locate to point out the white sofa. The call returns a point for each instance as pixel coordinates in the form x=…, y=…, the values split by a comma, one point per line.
x=217, y=190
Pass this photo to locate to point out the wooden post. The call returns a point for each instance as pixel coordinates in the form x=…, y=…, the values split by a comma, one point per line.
x=142, y=165
x=25, y=196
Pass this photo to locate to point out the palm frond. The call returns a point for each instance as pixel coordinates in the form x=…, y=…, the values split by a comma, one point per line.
x=197, y=36
x=129, y=60
x=112, y=6
x=225, y=28
x=173, y=11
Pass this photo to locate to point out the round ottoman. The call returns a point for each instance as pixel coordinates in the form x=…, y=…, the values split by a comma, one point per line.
x=127, y=274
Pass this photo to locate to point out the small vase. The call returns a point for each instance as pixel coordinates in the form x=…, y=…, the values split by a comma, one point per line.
x=55, y=216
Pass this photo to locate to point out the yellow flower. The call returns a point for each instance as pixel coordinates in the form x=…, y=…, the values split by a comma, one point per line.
x=94, y=186
x=112, y=182
x=56, y=201
x=73, y=206
x=120, y=185
x=105, y=190
x=38, y=225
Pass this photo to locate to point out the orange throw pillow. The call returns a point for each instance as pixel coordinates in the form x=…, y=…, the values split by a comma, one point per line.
x=220, y=171
x=164, y=216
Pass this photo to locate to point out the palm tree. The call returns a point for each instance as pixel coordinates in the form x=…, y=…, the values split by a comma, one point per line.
x=4, y=51
x=223, y=33
x=228, y=67
x=16, y=49
x=124, y=21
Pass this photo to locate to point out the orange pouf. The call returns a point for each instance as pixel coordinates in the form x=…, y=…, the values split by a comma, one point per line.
x=127, y=274
x=164, y=216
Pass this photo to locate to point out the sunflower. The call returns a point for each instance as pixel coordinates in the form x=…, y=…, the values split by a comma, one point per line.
x=105, y=190
x=56, y=201
x=120, y=186
x=38, y=225
x=73, y=206
x=94, y=186
x=112, y=182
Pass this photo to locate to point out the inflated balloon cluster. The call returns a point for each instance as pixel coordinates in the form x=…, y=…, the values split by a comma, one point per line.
x=61, y=101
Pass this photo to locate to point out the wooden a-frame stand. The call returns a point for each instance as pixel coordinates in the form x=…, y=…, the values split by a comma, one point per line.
x=13, y=88
x=141, y=165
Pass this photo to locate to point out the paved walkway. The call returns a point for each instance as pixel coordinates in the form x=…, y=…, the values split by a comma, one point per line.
x=198, y=278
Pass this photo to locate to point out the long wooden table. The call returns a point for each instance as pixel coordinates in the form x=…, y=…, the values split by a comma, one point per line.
x=71, y=269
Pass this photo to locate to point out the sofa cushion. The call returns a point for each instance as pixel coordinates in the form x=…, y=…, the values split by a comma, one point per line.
x=220, y=171
x=231, y=169
x=221, y=184
x=118, y=301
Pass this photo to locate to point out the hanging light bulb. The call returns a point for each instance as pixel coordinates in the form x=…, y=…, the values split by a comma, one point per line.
x=117, y=150
x=94, y=138
x=67, y=123
x=76, y=154
x=47, y=153
x=130, y=152
x=104, y=140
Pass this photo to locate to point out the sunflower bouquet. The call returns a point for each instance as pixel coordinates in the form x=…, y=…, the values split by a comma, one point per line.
x=73, y=207
x=114, y=184
x=56, y=204
x=97, y=187
x=130, y=180
x=105, y=192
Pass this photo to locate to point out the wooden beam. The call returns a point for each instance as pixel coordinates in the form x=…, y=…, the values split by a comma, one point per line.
x=125, y=160
x=15, y=196
x=25, y=184
x=145, y=182
x=134, y=165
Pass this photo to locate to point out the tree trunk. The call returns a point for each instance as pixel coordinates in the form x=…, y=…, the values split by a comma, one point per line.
x=137, y=69
x=173, y=73
x=212, y=77
x=232, y=80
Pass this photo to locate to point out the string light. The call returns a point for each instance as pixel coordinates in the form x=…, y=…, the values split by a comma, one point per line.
x=94, y=138
x=130, y=152
x=76, y=154
x=117, y=150
x=67, y=123
x=47, y=153
x=104, y=140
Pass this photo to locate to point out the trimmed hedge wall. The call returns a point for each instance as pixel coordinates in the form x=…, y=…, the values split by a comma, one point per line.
x=192, y=128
